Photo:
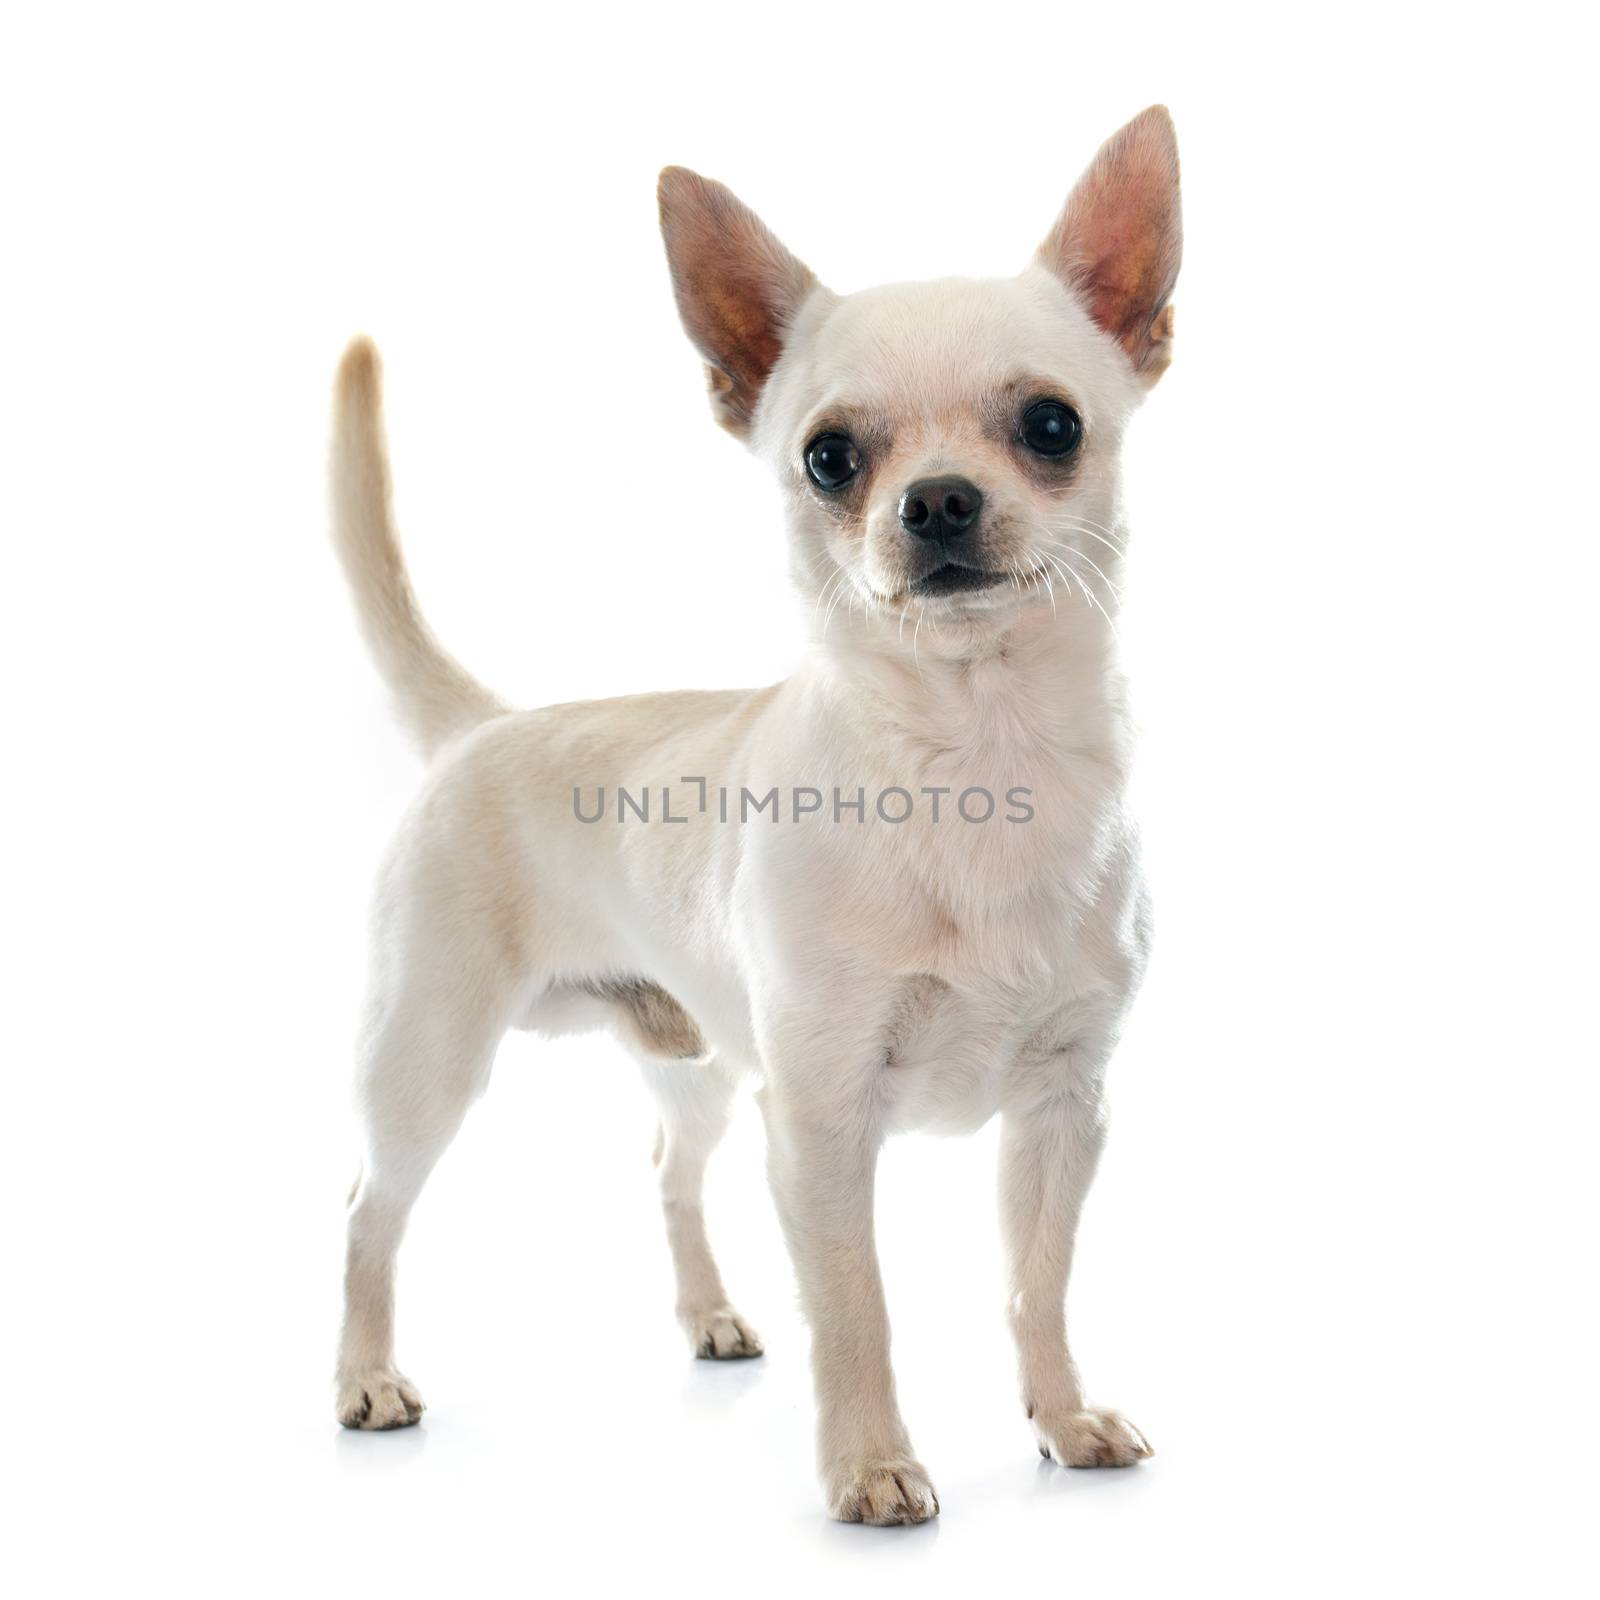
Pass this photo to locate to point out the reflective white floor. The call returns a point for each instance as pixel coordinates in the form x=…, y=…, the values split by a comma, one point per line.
x=1307, y=1443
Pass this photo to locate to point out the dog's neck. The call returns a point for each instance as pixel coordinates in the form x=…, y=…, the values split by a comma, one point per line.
x=1046, y=677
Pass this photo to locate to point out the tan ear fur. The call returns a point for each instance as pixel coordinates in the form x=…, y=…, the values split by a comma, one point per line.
x=737, y=288
x=1118, y=242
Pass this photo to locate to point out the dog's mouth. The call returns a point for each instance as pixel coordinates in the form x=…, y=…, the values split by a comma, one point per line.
x=954, y=578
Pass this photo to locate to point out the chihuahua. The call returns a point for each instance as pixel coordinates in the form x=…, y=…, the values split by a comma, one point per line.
x=900, y=889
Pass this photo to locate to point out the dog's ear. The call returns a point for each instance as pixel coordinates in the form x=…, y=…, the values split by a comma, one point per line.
x=738, y=289
x=1119, y=240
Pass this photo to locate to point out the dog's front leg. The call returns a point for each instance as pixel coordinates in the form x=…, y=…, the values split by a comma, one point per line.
x=1052, y=1131
x=824, y=1130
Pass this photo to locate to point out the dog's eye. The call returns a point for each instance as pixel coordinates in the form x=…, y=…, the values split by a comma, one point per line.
x=832, y=460
x=1051, y=429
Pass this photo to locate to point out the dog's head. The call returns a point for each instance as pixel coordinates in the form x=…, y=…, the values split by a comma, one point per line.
x=947, y=449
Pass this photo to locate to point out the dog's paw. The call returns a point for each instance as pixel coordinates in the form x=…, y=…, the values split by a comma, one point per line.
x=883, y=1493
x=377, y=1400
x=1090, y=1439
x=721, y=1335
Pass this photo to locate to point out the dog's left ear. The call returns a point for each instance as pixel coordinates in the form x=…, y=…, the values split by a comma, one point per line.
x=1119, y=241
x=738, y=288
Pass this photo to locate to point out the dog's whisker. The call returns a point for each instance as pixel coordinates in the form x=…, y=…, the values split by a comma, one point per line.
x=1084, y=556
x=1023, y=578
x=1120, y=551
x=1062, y=572
x=1050, y=589
x=1089, y=525
x=827, y=589
x=1058, y=541
x=1089, y=593
x=834, y=588
x=828, y=617
x=822, y=598
x=848, y=588
x=1078, y=583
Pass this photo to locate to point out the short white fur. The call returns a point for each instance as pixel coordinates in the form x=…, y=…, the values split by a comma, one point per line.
x=871, y=977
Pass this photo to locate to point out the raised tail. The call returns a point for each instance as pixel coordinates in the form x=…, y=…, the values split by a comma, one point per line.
x=434, y=696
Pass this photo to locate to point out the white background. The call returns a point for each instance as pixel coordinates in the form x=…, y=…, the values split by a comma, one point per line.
x=1338, y=1264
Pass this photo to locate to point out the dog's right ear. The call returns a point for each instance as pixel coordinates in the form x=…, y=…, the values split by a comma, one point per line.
x=738, y=288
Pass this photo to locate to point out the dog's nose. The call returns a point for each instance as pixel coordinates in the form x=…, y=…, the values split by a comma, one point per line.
x=940, y=508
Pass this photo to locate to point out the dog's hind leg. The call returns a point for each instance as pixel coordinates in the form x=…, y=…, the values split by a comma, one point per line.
x=695, y=1098
x=426, y=1055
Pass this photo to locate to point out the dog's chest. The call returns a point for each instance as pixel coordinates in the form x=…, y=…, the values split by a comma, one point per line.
x=998, y=983
x=1019, y=920
x=991, y=897
x=1020, y=839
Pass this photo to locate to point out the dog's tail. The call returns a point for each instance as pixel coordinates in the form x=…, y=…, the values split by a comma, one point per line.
x=435, y=697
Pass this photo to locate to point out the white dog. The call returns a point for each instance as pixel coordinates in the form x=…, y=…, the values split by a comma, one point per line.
x=900, y=888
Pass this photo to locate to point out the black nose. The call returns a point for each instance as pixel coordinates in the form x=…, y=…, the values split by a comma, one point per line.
x=940, y=508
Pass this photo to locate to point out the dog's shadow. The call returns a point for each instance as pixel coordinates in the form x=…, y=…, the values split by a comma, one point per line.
x=388, y=1450
x=714, y=1388
x=859, y=1540
x=1051, y=1480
